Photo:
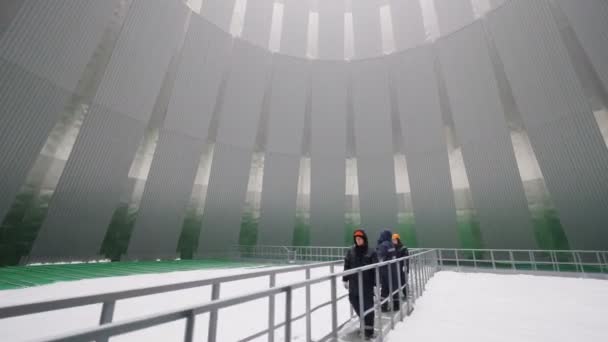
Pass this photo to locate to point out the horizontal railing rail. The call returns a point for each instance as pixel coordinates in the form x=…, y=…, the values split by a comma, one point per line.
x=578, y=261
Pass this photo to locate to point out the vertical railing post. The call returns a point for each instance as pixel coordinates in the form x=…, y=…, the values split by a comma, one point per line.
x=533, y=260
x=400, y=288
x=512, y=260
x=580, y=262
x=492, y=258
x=361, y=306
x=390, y=302
x=287, y=315
x=574, y=260
x=599, y=262
x=378, y=309
x=334, y=308
x=215, y=294
x=474, y=260
x=408, y=284
x=556, y=261
x=190, y=321
x=457, y=261
x=107, y=314
x=439, y=253
x=308, y=315
x=271, y=309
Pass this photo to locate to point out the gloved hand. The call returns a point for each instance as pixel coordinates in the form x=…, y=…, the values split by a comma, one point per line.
x=345, y=284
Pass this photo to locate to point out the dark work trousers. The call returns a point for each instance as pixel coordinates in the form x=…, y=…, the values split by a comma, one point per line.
x=368, y=303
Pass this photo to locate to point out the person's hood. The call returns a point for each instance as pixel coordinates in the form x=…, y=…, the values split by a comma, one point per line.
x=385, y=236
x=364, y=236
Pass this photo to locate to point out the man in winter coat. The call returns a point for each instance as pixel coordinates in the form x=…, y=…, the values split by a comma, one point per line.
x=386, y=251
x=361, y=255
x=404, y=266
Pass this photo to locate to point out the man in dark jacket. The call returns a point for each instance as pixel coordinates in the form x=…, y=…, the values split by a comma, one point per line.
x=361, y=255
x=404, y=266
x=386, y=251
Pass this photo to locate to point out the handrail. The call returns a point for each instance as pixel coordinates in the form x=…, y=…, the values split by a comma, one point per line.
x=189, y=312
x=557, y=259
x=56, y=304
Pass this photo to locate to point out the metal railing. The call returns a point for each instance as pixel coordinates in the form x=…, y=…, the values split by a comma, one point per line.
x=109, y=299
x=577, y=261
x=422, y=266
x=292, y=254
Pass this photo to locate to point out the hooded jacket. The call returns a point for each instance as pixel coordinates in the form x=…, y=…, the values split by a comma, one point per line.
x=386, y=251
x=358, y=256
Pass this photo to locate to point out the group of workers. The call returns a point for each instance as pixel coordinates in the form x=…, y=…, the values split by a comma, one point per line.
x=360, y=254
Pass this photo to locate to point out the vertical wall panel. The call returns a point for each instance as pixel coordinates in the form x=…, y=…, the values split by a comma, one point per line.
x=55, y=40
x=8, y=12
x=205, y=58
x=374, y=146
x=258, y=18
x=408, y=23
x=589, y=18
x=135, y=74
x=331, y=29
x=176, y=159
x=295, y=27
x=496, y=3
x=232, y=155
x=328, y=152
x=42, y=56
x=570, y=149
x=425, y=148
x=282, y=161
x=219, y=12
x=366, y=28
x=496, y=187
x=96, y=172
x=453, y=14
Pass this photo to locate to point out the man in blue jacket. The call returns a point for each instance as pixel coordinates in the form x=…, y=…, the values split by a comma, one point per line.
x=386, y=251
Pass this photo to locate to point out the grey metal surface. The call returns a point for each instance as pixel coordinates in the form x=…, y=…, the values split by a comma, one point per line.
x=90, y=186
x=287, y=105
x=331, y=29
x=453, y=14
x=283, y=146
x=366, y=28
x=295, y=27
x=408, y=23
x=204, y=59
x=564, y=134
x=425, y=148
x=244, y=91
x=166, y=196
x=278, y=210
x=25, y=122
x=219, y=12
x=496, y=186
x=55, y=40
x=142, y=54
x=376, y=175
x=8, y=12
x=588, y=18
x=328, y=152
x=238, y=123
x=225, y=198
x=257, y=23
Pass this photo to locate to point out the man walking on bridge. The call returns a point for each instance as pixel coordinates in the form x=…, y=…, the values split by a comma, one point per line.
x=361, y=255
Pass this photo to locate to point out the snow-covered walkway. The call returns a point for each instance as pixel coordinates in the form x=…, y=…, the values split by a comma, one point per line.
x=471, y=307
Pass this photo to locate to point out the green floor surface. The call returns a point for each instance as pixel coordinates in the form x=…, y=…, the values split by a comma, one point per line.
x=14, y=277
